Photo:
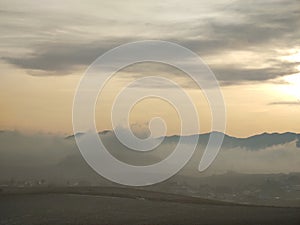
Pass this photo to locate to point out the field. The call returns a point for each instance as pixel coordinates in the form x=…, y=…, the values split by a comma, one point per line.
x=126, y=206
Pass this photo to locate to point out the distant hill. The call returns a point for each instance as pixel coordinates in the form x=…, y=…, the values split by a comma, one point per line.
x=57, y=158
x=254, y=142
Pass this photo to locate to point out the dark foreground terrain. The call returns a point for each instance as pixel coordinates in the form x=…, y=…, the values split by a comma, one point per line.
x=122, y=206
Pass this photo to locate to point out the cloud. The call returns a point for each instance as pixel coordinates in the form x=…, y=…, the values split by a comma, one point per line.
x=62, y=58
x=275, y=159
x=18, y=149
x=286, y=103
x=231, y=74
x=257, y=154
x=74, y=39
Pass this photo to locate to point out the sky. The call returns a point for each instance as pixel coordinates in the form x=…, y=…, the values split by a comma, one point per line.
x=252, y=47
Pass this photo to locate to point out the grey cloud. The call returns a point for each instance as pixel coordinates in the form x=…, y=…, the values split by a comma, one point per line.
x=231, y=74
x=226, y=75
x=259, y=28
x=286, y=103
x=63, y=58
x=252, y=24
x=263, y=23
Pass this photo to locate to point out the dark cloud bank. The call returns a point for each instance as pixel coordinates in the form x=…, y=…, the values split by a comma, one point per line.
x=263, y=27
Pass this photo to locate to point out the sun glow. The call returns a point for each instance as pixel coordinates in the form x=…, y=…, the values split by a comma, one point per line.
x=292, y=88
x=293, y=57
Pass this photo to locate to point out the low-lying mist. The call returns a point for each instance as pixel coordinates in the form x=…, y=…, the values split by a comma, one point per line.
x=57, y=158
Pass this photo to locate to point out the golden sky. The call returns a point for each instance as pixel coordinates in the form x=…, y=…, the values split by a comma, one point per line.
x=252, y=47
